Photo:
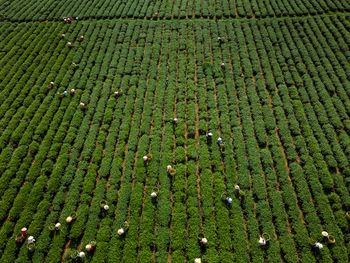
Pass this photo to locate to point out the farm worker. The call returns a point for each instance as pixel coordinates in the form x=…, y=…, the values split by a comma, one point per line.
x=209, y=135
x=145, y=158
x=262, y=241
x=327, y=237
x=221, y=39
x=153, y=194
x=82, y=105
x=219, y=140
x=175, y=120
x=69, y=219
x=318, y=246
x=63, y=35
x=68, y=20
x=325, y=234
x=197, y=260
x=31, y=248
x=51, y=85
x=19, y=240
x=117, y=94
x=106, y=207
x=229, y=200
x=222, y=65
x=31, y=240
x=204, y=241
x=81, y=38
x=65, y=93
x=24, y=231
x=121, y=231
x=347, y=215
x=72, y=92
x=237, y=188
x=168, y=168
x=57, y=226
x=89, y=248
x=81, y=254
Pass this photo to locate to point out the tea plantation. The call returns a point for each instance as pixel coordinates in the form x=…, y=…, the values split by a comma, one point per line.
x=175, y=131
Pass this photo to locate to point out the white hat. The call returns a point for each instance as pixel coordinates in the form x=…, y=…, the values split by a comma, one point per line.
x=31, y=240
x=262, y=241
x=318, y=245
x=88, y=247
x=204, y=241
x=325, y=234
x=121, y=231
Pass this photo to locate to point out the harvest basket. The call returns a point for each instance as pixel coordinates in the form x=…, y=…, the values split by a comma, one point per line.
x=52, y=227
x=103, y=203
x=172, y=171
x=331, y=239
x=149, y=157
x=125, y=225
x=93, y=243
x=266, y=237
x=241, y=194
x=155, y=189
x=31, y=247
x=347, y=215
x=72, y=255
x=74, y=215
x=199, y=237
x=224, y=196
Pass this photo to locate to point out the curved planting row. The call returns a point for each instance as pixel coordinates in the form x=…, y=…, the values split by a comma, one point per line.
x=20, y=10
x=169, y=141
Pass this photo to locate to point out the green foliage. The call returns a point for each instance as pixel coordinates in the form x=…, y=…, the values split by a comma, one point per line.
x=280, y=103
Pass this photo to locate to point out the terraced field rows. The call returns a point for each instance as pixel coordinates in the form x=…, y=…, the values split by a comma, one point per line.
x=276, y=91
x=20, y=10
